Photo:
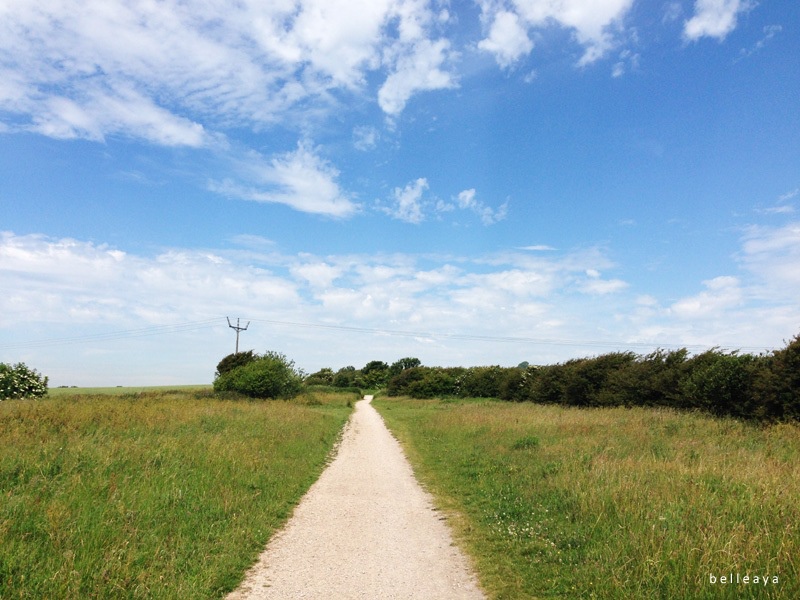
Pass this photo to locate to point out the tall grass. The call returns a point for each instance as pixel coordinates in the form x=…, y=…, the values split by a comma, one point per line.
x=610, y=503
x=152, y=495
x=59, y=392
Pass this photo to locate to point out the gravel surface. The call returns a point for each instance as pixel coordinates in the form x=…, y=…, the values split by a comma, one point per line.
x=365, y=529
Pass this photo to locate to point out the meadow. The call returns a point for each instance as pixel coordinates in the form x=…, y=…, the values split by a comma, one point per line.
x=123, y=390
x=154, y=494
x=560, y=502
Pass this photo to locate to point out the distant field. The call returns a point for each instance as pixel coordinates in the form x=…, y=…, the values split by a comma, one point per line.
x=610, y=503
x=119, y=390
x=151, y=495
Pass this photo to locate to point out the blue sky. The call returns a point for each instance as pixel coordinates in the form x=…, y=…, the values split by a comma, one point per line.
x=476, y=182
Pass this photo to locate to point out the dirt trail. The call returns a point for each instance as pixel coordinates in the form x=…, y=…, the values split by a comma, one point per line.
x=365, y=529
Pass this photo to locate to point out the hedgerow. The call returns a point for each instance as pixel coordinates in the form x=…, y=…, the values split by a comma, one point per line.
x=765, y=387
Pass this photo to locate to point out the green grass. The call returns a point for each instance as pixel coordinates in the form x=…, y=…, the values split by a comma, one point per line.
x=554, y=502
x=121, y=390
x=151, y=495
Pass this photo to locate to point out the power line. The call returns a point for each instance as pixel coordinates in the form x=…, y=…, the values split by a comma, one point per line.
x=213, y=322
x=490, y=338
x=115, y=335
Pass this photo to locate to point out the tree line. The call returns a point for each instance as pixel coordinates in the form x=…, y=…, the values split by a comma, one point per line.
x=759, y=387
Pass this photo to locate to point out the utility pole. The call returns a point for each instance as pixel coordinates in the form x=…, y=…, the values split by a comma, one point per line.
x=238, y=329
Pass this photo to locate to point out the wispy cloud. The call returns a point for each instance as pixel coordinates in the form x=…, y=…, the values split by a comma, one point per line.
x=770, y=31
x=167, y=74
x=467, y=201
x=365, y=138
x=538, y=248
x=300, y=179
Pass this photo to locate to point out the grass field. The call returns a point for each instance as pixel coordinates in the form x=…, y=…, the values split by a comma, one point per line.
x=122, y=390
x=153, y=494
x=610, y=503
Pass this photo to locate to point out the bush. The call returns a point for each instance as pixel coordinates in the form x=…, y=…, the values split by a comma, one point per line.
x=398, y=385
x=232, y=361
x=322, y=377
x=20, y=381
x=345, y=377
x=269, y=376
x=720, y=383
x=436, y=382
x=375, y=374
x=777, y=383
x=481, y=382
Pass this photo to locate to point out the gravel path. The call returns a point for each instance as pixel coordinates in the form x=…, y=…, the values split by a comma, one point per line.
x=365, y=529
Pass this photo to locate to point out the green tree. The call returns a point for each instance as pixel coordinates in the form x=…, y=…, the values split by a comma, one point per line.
x=375, y=374
x=403, y=364
x=345, y=377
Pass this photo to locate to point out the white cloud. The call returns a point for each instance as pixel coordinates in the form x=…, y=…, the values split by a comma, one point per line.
x=365, y=138
x=592, y=23
x=772, y=256
x=418, y=69
x=508, y=39
x=168, y=73
x=407, y=202
x=721, y=293
x=467, y=201
x=714, y=18
x=66, y=288
x=538, y=248
x=125, y=112
x=300, y=179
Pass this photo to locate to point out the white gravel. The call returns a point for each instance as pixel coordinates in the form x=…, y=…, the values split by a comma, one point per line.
x=365, y=529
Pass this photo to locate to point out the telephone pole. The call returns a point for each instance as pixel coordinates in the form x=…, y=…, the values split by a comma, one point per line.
x=238, y=329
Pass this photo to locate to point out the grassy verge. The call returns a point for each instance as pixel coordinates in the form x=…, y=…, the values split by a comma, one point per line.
x=151, y=495
x=610, y=503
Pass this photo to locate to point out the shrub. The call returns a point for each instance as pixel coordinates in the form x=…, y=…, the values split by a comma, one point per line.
x=269, y=376
x=588, y=379
x=512, y=386
x=435, y=383
x=232, y=361
x=20, y=381
x=425, y=382
x=322, y=377
x=345, y=377
x=720, y=383
x=547, y=387
x=777, y=383
x=398, y=385
x=481, y=382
